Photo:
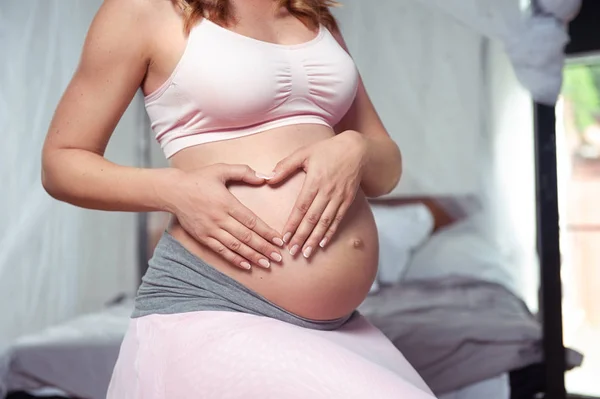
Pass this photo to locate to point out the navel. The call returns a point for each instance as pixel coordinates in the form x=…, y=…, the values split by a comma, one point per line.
x=357, y=243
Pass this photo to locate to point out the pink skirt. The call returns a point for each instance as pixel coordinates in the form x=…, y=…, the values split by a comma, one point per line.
x=230, y=355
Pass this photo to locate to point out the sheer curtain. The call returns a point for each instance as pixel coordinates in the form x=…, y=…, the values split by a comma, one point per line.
x=534, y=40
x=56, y=260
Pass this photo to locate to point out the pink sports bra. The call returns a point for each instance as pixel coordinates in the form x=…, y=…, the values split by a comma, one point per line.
x=228, y=85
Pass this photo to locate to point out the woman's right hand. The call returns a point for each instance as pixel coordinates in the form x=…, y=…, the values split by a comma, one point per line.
x=208, y=211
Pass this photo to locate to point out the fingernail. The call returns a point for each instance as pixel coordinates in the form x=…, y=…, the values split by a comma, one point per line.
x=323, y=242
x=276, y=257
x=264, y=263
x=278, y=241
x=265, y=176
x=246, y=265
x=307, y=252
x=294, y=250
x=287, y=237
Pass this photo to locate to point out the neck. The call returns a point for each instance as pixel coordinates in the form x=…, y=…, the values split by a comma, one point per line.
x=256, y=8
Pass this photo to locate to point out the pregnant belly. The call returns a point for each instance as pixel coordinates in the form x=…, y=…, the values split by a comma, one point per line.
x=335, y=280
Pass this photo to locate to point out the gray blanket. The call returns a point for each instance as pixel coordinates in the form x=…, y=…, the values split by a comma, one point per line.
x=457, y=331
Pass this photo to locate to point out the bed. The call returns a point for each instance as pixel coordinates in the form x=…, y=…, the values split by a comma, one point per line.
x=464, y=332
x=76, y=358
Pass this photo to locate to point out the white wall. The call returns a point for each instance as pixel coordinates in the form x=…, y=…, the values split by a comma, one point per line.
x=511, y=189
x=423, y=72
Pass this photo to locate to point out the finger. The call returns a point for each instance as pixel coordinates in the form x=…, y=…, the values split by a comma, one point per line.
x=238, y=247
x=302, y=205
x=227, y=254
x=307, y=225
x=248, y=219
x=321, y=228
x=241, y=173
x=335, y=224
x=288, y=166
x=254, y=241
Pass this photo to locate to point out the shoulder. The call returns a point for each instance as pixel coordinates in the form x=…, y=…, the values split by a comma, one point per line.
x=138, y=18
x=135, y=13
x=127, y=25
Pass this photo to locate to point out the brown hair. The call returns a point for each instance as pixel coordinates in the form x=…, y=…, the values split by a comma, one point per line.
x=311, y=12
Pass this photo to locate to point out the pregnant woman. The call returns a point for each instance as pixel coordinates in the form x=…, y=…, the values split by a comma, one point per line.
x=273, y=146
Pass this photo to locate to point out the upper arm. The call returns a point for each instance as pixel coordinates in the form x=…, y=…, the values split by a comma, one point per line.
x=112, y=66
x=362, y=116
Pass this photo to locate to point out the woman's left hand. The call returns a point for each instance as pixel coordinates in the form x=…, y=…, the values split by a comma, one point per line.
x=333, y=175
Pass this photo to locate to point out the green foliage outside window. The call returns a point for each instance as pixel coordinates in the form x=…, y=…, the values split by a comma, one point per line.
x=581, y=86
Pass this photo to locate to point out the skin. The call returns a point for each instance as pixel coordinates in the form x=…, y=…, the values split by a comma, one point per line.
x=233, y=201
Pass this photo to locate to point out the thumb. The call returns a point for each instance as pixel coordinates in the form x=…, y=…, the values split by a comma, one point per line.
x=240, y=173
x=288, y=166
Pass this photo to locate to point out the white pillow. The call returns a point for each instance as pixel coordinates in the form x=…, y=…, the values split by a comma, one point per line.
x=401, y=230
x=460, y=249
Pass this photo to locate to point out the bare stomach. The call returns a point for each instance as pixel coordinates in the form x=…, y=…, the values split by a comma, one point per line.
x=335, y=280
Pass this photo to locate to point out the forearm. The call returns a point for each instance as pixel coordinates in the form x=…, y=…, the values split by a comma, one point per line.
x=382, y=168
x=88, y=180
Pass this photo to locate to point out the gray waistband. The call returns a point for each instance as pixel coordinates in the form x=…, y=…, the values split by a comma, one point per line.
x=177, y=281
